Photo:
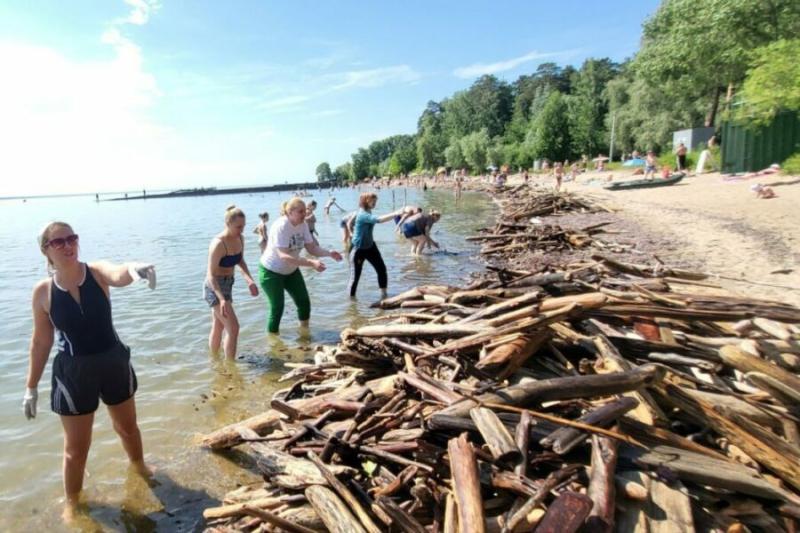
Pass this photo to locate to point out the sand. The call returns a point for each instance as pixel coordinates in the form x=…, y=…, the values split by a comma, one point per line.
x=719, y=226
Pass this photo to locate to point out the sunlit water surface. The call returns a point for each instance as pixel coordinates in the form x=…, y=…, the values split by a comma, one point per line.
x=184, y=391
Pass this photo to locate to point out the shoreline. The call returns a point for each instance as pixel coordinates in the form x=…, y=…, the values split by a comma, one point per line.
x=399, y=367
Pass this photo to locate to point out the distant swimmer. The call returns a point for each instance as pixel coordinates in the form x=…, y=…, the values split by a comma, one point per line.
x=417, y=229
x=364, y=247
x=279, y=270
x=330, y=203
x=261, y=230
x=92, y=363
x=225, y=253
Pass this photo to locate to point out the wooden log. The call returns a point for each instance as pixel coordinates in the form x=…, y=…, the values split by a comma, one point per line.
x=466, y=485
x=345, y=494
x=450, y=514
x=744, y=362
x=435, y=391
x=705, y=470
x=565, y=388
x=399, y=517
x=503, y=307
x=333, y=511
x=601, y=485
x=495, y=435
x=566, y=514
x=564, y=440
x=230, y=435
x=512, y=356
x=771, y=327
x=276, y=520
x=238, y=509
x=670, y=508
x=421, y=331
x=777, y=389
x=522, y=440
x=760, y=444
x=552, y=481
x=395, y=301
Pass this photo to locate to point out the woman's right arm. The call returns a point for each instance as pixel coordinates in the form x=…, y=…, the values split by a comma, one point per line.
x=289, y=259
x=42, y=338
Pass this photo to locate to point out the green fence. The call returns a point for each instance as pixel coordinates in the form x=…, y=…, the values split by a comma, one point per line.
x=745, y=149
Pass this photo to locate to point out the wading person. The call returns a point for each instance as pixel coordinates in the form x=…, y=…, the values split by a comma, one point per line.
x=225, y=253
x=279, y=270
x=364, y=247
x=417, y=229
x=261, y=230
x=311, y=219
x=92, y=364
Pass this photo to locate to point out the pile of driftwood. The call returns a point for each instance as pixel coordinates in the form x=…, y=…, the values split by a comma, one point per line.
x=608, y=395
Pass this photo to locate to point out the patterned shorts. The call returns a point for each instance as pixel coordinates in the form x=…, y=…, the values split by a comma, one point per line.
x=226, y=286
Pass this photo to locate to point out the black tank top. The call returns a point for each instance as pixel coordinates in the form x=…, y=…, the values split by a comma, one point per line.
x=85, y=328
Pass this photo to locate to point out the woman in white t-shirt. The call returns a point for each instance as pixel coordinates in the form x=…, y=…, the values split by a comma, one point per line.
x=278, y=268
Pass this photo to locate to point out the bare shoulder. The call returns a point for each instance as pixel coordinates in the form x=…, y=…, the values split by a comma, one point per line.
x=40, y=289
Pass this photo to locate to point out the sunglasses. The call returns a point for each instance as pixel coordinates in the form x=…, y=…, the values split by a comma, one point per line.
x=60, y=242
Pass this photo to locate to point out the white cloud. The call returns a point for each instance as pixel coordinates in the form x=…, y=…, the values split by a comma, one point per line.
x=140, y=11
x=285, y=103
x=327, y=113
x=377, y=77
x=479, y=69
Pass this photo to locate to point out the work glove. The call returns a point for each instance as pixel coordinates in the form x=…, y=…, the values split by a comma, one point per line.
x=29, y=402
x=143, y=271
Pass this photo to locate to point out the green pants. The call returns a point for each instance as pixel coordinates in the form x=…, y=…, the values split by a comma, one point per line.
x=273, y=285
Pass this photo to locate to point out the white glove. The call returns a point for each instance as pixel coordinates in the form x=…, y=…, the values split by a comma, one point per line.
x=29, y=402
x=143, y=271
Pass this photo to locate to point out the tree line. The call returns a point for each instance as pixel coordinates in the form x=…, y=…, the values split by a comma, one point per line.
x=696, y=59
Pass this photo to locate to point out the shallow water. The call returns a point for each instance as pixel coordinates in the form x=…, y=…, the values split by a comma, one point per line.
x=183, y=390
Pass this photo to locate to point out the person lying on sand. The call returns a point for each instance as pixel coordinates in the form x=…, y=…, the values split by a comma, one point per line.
x=774, y=168
x=763, y=191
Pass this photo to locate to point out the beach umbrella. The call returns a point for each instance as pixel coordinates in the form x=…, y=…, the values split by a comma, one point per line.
x=600, y=158
x=491, y=167
x=441, y=170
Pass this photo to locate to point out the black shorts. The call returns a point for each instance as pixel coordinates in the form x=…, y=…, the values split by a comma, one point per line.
x=80, y=382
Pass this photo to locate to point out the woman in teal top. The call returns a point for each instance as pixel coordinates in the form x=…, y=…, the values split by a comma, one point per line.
x=364, y=247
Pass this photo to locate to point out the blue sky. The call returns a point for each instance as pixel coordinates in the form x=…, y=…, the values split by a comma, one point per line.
x=124, y=94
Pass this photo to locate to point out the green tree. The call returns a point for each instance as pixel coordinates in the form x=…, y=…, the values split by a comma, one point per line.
x=485, y=105
x=772, y=84
x=431, y=140
x=343, y=173
x=475, y=148
x=704, y=47
x=361, y=164
x=588, y=105
x=549, y=134
x=324, y=172
x=454, y=156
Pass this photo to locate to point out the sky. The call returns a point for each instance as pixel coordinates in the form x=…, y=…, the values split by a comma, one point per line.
x=115, y=95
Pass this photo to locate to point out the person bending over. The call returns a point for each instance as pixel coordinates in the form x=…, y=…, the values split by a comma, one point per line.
x=417, y=229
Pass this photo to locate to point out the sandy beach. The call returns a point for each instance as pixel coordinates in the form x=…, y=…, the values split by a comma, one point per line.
x=717, y=226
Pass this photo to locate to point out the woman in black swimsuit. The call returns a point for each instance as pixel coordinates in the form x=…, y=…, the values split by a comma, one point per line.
x=92, y=364
x=224, y=254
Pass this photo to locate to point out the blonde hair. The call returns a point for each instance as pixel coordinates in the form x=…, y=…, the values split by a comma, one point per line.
x=294, y=203
x=44, y=236
x=232, y=212
x=363, y=200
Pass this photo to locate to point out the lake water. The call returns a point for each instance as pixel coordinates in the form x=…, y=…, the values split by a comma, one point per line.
x=183, y=390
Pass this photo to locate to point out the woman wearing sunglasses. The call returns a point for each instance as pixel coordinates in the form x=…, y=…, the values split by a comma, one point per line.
x=91, y=364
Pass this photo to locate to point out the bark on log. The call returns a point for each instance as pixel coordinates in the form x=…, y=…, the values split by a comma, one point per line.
x=564, y=440
x=466, y=485
x=512, y=356
x=601, y=485
x=333, y=512
x=495, y=435
x=566, y=514
x=744, y=362
x=345, y=494
x=276, y=520
x=561, y=389
x=399, y=517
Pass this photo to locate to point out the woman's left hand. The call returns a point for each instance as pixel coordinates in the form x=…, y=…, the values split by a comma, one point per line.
x=253, y=288
x=336, y=256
